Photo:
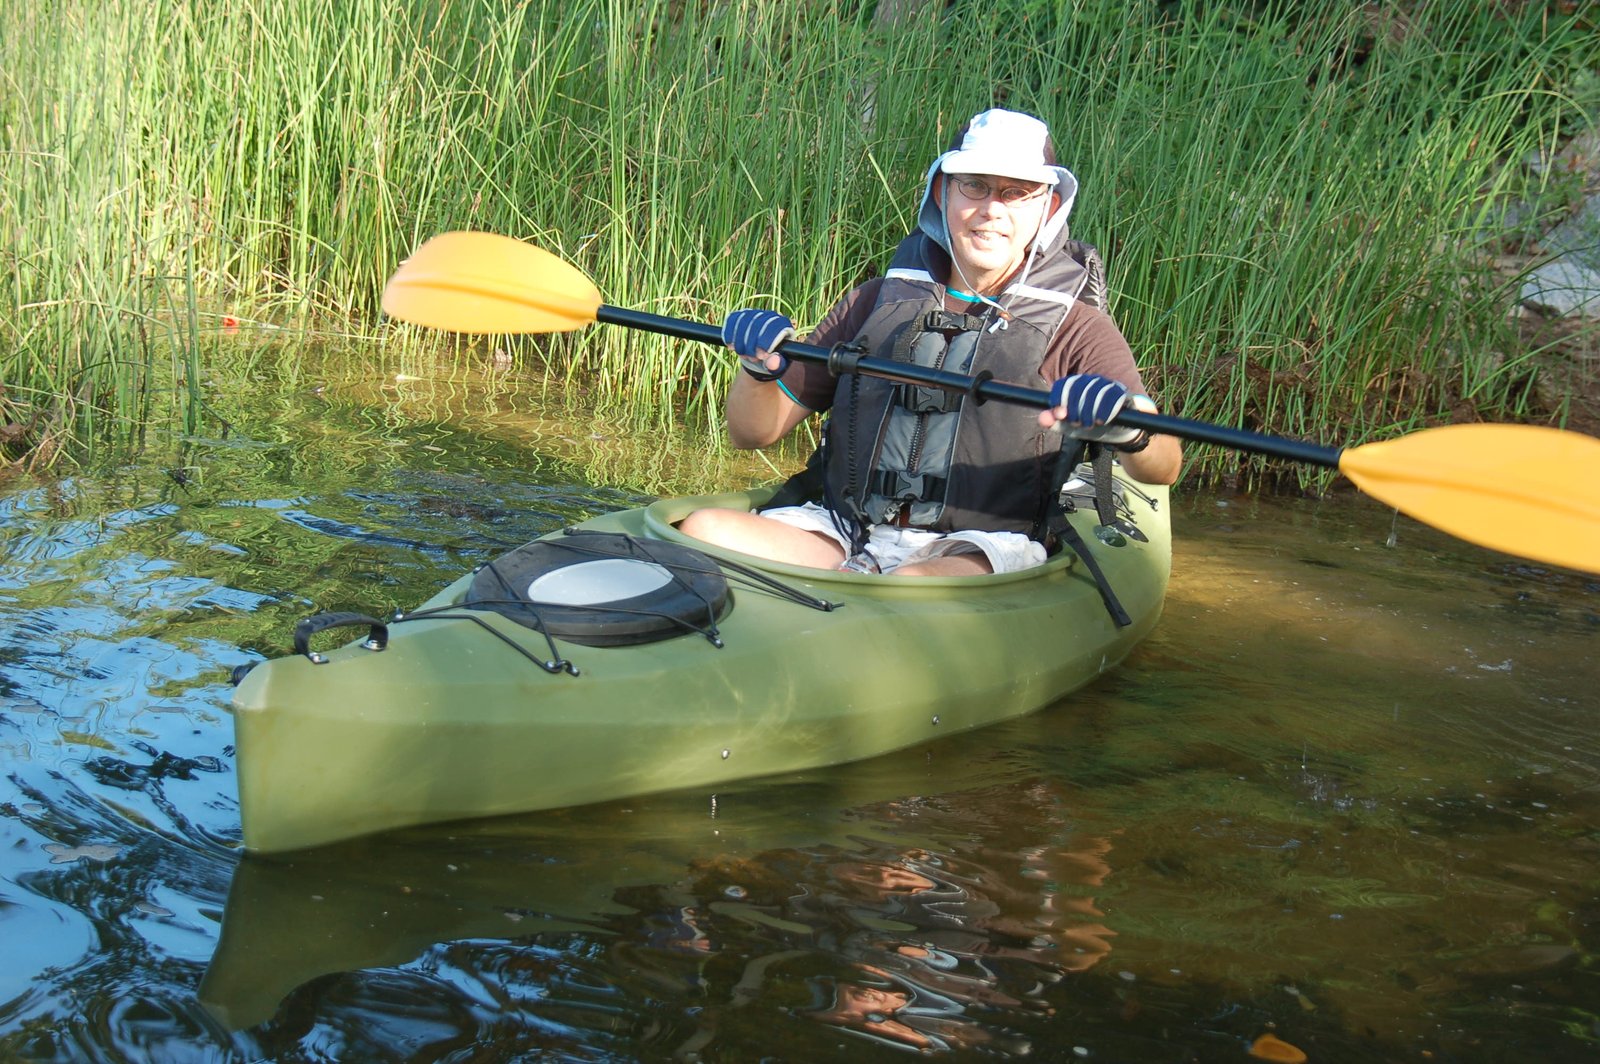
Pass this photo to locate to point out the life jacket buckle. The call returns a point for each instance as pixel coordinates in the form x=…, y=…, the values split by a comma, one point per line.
x=922, y=400
x=907, y=487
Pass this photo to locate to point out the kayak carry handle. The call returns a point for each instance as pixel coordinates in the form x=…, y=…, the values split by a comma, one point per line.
x=377, y=634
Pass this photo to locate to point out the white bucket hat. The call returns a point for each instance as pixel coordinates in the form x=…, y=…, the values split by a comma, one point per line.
x=1005, y=144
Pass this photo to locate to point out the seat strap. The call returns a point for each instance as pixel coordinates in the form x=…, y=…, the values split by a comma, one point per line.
x=1058, y=527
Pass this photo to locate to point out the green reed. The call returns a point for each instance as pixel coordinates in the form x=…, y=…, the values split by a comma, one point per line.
x=1297, y=206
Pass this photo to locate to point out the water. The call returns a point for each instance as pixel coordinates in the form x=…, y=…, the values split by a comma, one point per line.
x=1346, y=796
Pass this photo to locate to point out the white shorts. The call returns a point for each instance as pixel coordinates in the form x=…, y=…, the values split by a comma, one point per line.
x=889, y=546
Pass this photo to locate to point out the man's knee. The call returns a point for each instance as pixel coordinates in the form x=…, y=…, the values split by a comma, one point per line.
x=709, y=524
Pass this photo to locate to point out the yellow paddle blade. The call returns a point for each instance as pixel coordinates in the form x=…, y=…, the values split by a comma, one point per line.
x=1522, y=489
x=486, y=283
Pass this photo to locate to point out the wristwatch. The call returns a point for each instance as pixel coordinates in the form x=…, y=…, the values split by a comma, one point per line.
x=1146, y=405
x=1135, y=445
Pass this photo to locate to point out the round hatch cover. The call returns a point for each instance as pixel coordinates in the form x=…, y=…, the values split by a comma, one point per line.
x=591, y=583
x=604, y=589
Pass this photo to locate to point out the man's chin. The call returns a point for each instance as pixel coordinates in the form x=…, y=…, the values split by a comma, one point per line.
x=986, y=262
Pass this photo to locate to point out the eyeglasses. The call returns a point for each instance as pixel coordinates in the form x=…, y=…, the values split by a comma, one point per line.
x=978, y=190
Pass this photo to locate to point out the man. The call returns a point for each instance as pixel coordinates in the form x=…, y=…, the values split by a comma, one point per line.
x=920, y=483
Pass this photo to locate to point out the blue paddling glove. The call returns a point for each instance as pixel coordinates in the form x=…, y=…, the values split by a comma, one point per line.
x=1090, y=401
x=753, y=334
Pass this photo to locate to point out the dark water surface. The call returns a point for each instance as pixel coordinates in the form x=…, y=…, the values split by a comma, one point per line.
x=1348, y=796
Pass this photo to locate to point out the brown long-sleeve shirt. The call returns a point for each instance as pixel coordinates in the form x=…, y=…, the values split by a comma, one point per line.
x=1087, y=342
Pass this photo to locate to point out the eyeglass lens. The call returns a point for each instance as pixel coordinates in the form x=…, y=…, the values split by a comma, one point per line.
x=977, y=189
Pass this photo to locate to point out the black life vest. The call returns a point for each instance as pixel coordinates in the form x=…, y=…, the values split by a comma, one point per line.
x=889, y=446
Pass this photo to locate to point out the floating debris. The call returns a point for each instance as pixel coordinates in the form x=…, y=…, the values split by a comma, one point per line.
x=60, y=854
x=1271, y=1047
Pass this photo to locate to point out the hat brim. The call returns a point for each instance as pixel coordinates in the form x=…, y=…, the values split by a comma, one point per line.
x=988, y=162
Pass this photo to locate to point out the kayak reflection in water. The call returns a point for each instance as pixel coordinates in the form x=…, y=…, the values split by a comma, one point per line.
x=966, y=952
x=918, y=948
x=919, y=481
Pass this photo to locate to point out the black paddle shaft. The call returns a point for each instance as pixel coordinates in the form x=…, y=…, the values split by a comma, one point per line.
x=981, y=388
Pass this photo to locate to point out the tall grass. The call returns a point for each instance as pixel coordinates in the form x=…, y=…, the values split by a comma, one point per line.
x=1293, y=203
x=1304, y=244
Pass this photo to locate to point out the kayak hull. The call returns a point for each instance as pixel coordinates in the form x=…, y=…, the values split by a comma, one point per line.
x=449, y=722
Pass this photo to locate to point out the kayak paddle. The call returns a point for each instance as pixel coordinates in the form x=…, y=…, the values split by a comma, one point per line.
x=1526, y=490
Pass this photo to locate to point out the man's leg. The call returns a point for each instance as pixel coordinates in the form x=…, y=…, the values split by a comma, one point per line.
x=973, y=563
x=972, y=553
x=750, y=533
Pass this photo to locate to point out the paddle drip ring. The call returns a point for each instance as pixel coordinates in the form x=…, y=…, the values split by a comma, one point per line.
x=604, y=589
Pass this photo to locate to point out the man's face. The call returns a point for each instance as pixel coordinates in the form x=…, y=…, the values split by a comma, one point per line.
x=991, y=221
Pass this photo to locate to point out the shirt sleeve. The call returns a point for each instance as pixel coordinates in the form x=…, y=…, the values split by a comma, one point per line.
x=1090, y=342
x=811, y=385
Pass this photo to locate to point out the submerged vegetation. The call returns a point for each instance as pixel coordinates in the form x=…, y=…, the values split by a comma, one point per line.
x=1301, y=205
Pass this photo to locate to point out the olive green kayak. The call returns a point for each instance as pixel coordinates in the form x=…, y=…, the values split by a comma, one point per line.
x=621, y=658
